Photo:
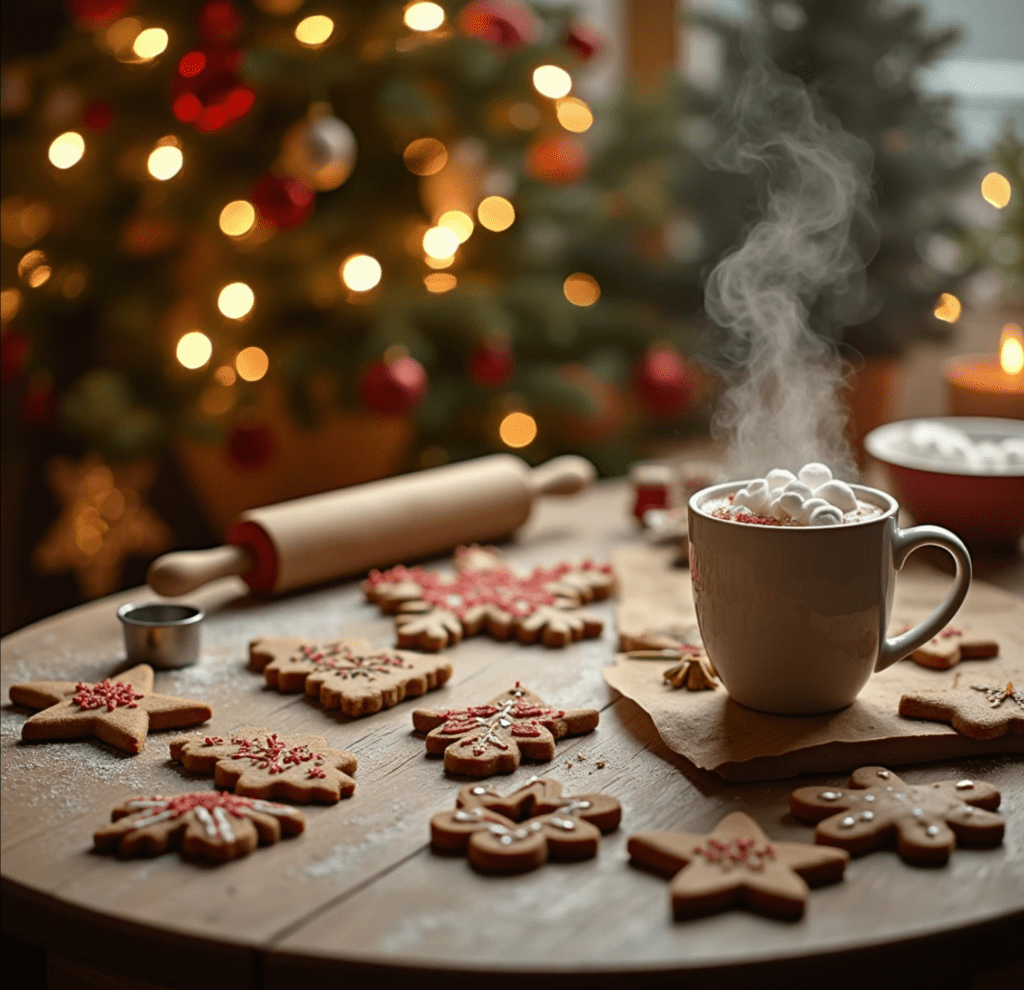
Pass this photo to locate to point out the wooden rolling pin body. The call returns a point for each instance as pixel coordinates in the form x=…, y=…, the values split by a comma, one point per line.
x=310, y=540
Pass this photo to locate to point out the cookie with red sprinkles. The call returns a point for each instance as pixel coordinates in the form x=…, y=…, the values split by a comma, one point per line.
x=258, y=763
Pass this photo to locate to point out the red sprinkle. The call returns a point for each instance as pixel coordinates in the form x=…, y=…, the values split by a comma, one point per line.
x=107, y=694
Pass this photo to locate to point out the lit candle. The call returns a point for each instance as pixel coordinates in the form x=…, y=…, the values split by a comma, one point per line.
x=989, y=385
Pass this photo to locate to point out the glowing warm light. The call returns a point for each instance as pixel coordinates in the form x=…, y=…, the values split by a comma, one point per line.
x=236, y=300
x=150, y=43
x=67, y=149
x=574, y=115
x=581, y=289
x=438, y=282
x=10, y=303
x=237, y=218
x=1011, y=349
x=948, y=308
x=74, y=282
x=461, y=224
x=424, y=16
x=518, y=429
x=551, y=81
x=165, y=162
x=252, y=363
x=194, y=350
x=225, y=374
x=425, y=156
x=360, y=273
x=995, y=189
x=496, y=213
x=315, y=30
x=120, y=36
x=217, y=399
x=440, y=262
x=34, y=268
x=441, y=242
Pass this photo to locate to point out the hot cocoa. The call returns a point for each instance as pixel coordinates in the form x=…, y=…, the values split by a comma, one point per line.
x=811, y=497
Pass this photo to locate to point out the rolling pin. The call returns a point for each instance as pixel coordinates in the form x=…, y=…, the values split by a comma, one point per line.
x=321, y=537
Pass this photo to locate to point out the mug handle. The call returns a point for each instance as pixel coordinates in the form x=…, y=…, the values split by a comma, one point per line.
x=904, y=543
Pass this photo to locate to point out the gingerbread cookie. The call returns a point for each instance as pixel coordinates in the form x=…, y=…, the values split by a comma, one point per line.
x=953, y=644
x=694, y=670
x=974, y=707
x=734, y=865
x=206, y=825
x=491, y=738
x=486, y=595
x=519, y=831
x=876, y=808
x=347, y=674
x=119, y=710
x=258, y=763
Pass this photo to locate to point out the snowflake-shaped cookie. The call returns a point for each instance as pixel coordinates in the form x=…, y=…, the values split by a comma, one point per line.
x=347, y=674
x=119, y=710
x=734, y=865
x=974, y=707
x=204, y=825
x=877, y=808
x=485, y=594
x=516, y=832
x=262, y=764
x=493, y=737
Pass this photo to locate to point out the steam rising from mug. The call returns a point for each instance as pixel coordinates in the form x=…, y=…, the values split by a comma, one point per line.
x=782, y=407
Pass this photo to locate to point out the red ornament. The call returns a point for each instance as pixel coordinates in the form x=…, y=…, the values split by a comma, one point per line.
x=504, y=25
x=664, y=382
x=283, y=201
x=584, y=41
x=250, y=447
x=605, y=415
x=98, y=116
x=393, y=388
x=39, y=403
x=557, y=158
x=208, y=92
x=492, y=364
x=13, y=356
x=90, y=15
x=219, y=23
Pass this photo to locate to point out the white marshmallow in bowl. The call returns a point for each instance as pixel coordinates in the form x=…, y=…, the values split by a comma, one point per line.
x=808, y=508
x=839, y=494
x=778, y=478
x=826, y=515
x=800, y=488
x=791, y=503
x=755, y=495
x=814, y=475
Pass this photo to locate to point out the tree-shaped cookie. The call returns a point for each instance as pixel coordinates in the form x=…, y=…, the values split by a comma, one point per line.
x=876, y=808
x=516, y=832
x=205, y=825
x=486, y=595
x=258, y=763
x=955, y=643
x=119, y=710
x=493, y=737
x=735, y=865
x=347, y=674
x=974, y=707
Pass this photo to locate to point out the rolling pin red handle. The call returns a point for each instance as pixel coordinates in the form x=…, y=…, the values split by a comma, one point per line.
x=185, y=570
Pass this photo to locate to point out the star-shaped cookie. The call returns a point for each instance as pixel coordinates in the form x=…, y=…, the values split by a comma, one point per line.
x=258, y=763
x=975, y=707
x=877, y=808
x=119, y=710
x=347, y=674
x=735, y=865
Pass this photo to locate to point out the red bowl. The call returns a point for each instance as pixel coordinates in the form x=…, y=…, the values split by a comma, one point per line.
x=980, y=508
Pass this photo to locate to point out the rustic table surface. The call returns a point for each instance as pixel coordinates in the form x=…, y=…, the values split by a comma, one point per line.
x=361, y=893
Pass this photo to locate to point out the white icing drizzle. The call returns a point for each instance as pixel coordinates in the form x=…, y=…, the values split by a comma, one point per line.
x=964, y=785
x=206, y=820
x=223, y=825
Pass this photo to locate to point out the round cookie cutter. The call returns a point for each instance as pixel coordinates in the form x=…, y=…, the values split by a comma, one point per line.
x=164, y=636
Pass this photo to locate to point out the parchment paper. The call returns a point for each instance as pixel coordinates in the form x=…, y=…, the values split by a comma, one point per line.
x=718, y=734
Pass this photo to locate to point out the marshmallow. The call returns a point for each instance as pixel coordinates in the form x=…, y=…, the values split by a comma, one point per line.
x=826, y=515
x=814, y=475
x=755, y=495
x=778, y=478
x=791, y=502
x=801, y=489
x=839, y=494
x=776, y=509
x=808, y=509
x=1014, y=450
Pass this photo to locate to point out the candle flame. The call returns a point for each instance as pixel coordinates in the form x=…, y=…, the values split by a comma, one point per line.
x=1011, y=349
x=947, y=308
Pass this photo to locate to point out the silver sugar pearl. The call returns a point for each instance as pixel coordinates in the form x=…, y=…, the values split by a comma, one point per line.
x=506, y=840
x=830, y=795
x=884, y=774
x=847, y=822
x=964, y=785
x=917, y=812
x=866, y=816
x=869, y=798
x=932, y=830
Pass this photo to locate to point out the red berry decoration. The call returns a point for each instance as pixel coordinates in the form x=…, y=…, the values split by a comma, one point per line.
x=250, y=447
x=492, y=364
x=584, y=41
x=558, y=159
x=503, y=25
x=90, y=15
x=208, y=92
x=98, y=116
x=282, y=200
x=393, y=388
x=219, y=23
x=664, y=382
x=13, y=356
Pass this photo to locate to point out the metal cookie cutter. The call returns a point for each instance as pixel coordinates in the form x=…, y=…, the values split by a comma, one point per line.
x=161, y=635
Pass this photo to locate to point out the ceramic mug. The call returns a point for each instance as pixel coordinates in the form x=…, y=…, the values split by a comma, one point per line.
x=794, y=618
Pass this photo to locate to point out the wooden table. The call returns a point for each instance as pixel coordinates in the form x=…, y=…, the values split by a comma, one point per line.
x=361, y=893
